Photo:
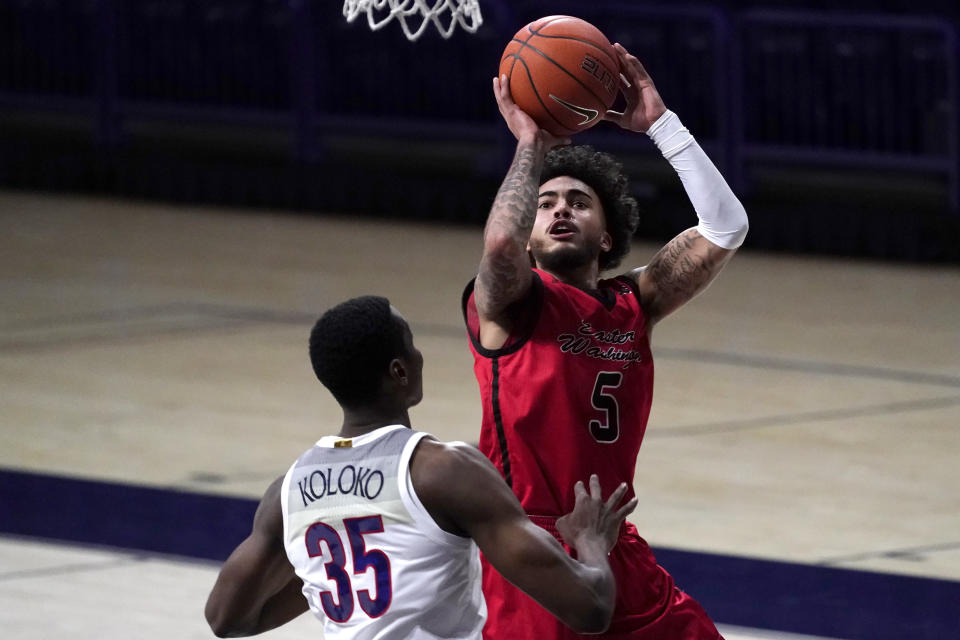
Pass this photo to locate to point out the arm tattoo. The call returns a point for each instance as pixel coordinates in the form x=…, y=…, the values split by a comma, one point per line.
x=516, y=203
x=682, y=269
x=504, y=272
x=497, y=280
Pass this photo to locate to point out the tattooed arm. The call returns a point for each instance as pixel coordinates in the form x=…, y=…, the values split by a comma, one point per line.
x=689, y=262
x=678, y=272
x=505, y=275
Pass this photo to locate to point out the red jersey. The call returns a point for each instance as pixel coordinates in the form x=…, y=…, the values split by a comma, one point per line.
x=567, y=396
x=570, y=392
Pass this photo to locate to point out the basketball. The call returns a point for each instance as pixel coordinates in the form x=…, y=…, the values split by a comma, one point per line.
x=563, y=72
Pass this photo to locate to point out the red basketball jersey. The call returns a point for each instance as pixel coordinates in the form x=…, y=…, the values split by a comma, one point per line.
x=570, y=392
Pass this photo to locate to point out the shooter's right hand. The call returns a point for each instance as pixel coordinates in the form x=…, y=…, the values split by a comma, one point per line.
x=521, y=125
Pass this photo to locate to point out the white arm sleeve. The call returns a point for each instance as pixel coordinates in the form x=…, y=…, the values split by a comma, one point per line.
x=723, y=220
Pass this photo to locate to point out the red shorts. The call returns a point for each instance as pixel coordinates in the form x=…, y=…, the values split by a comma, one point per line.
x=648, y=606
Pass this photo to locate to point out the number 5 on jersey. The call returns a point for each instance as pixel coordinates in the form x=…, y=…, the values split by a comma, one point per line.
x=606, y=429
x=341, y=608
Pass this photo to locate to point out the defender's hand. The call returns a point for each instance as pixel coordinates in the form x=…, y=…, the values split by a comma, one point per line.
x=644, y=104
x=592, y=520
x=520, y=123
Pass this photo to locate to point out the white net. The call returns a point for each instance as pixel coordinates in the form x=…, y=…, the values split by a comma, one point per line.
x=416, y=15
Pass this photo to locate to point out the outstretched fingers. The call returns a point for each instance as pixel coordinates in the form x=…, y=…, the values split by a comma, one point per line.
x=505, y=94
x=616, y=497
x=518, y=121
x=629, y=87
x=622, y=513
x=595, y=491
x=643, y=103
x=580, y=495
x=501, y=93
x=579, y=491
x=635, y=73
x=617, y=516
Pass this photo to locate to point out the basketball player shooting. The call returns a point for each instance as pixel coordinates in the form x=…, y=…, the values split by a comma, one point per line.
x=562, y=356
x=378, y=526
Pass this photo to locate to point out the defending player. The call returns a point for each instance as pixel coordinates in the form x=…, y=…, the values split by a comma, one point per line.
x=563, y=357
x=379, y=525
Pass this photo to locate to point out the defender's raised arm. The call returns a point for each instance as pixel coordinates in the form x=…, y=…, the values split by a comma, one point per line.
x=463, y=492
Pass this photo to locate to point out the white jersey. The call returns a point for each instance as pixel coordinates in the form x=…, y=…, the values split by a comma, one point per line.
x=373, y=561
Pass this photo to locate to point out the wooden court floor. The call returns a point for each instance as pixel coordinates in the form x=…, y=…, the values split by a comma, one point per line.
x=806, y=410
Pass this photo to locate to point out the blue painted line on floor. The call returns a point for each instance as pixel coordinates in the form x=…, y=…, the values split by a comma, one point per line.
x=766, y=594
x=816, y=600
x=119, y=515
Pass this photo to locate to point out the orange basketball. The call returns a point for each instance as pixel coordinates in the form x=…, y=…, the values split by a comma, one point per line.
x=563, y=72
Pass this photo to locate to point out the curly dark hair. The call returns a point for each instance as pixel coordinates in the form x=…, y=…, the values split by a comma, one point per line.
x=351, y=346
x=604, y=174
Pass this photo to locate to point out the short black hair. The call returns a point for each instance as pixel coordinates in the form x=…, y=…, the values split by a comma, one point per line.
x=351, y=346
x=604, y=174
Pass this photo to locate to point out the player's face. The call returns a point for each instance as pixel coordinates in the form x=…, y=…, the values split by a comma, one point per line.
x=570, y=228
x=413, y=360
